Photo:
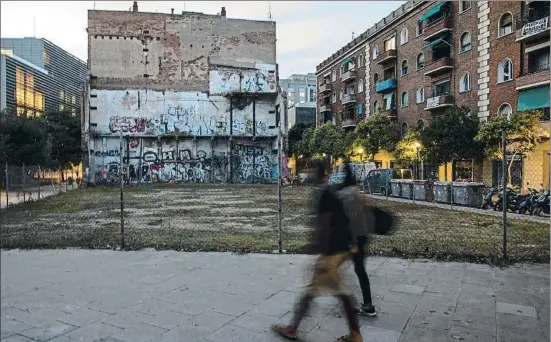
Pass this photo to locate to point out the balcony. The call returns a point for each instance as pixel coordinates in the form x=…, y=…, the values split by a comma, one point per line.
x=387, y=56
x=391, y=113
x=386, y=85
x=325, y=108
x=437, y=28
x=534, y=76
x=348, y=76
x=440, y=101
x=348, y=99
x=325, y=88
x=439, y=66
x=533, y=29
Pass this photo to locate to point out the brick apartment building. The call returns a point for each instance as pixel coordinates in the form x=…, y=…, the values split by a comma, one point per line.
x=489, y=56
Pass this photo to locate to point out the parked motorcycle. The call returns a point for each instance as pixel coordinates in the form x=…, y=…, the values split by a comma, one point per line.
x=541, y=205
x=488, y=198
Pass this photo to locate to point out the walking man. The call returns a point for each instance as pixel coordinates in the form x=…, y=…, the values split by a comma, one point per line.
x=332, y=239
x=359, y=223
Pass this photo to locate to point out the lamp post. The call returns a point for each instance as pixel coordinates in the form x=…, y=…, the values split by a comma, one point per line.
x=361, y=153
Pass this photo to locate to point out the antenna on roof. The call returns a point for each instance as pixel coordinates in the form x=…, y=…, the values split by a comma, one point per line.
x=269, y=11
x=34, y=27
x=352, y=35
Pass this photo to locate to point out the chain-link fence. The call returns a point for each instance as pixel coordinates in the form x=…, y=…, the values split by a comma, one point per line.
x=223, y=195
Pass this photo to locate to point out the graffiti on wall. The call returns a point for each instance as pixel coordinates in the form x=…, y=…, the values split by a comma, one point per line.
x=180, y=163
x=225, y=81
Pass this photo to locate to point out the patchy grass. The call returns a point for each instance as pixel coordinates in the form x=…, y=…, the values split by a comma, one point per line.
x=243, y=218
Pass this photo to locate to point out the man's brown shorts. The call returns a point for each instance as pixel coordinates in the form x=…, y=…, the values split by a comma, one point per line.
x=327, y=275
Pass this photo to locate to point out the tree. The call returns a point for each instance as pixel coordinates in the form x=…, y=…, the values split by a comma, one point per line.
x=23, y=141
x=409, y=148
x=65, y=136
x=326, y=139
x=451, y=136
x=295, y=136
x=523, y=133
x=375, y=133
x=302, y=147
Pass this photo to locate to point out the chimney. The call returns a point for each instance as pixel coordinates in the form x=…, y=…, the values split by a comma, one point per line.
x=135, y=7
x=223, y=13
x=172, y=11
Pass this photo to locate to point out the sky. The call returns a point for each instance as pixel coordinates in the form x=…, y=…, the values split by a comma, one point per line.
x=308, y=32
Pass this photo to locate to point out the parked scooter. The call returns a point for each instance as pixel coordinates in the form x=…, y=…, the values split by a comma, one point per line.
x=488, y=198
x=527, y=202
x=512, y=200
x=542, y=204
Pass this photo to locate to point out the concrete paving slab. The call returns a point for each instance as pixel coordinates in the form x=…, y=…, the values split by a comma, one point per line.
x=208, y=297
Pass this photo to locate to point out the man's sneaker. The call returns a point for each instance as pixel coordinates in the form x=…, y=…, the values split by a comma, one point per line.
x=367, y=310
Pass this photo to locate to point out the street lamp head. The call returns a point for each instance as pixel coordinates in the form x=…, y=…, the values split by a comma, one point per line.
x=361, y=150
x=417, y=145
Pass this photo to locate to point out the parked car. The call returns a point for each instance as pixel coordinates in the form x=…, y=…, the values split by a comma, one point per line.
x=378, y=181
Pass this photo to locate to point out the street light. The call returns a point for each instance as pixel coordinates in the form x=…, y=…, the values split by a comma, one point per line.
x=361, y=152
x=417, y=145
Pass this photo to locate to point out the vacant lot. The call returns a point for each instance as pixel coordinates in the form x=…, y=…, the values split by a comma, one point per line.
x=244, y=219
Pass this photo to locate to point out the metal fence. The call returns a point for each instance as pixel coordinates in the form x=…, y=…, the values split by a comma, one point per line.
x=436, y=218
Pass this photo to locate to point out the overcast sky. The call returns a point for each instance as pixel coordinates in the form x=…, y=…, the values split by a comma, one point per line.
x=307, y=31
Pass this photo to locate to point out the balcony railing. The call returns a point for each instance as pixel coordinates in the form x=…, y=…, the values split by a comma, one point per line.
x=348, y=98
x=391, y=113
x=325, y=108
x=324, y=88
x=386, y=85
x=437, y=28
x=439, y=66
x=533, y=29
x=533, y=76
x=348, y=75
x=439, y=101
x=387, y=56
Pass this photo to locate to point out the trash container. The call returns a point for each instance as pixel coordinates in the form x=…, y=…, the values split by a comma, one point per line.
x=442, y=192
x=422, y=191
x=468, y=194
x=396, y=188
x=407, y=188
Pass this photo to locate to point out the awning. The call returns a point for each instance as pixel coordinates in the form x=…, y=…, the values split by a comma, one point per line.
x=432, y=11
x=535, y=98
x=434, y=42
x=346, y=60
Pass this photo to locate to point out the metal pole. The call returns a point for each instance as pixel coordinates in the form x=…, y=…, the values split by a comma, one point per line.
x=279, y=155
x=122, y=186
x=7, y=187
x=504, y=177
x=23, y=180
x=39, y=183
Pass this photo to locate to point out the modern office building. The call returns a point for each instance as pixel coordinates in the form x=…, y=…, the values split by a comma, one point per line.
x=38, y=76
x=300, y=89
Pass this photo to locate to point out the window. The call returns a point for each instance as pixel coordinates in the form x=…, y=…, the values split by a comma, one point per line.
x=334, y=97
x=419, y=28
x=404, y=68
x=404, y=36
x=61, y=95
x=341, y=94
x=334, y=75
x=390, y=44
x=376, y=107
x=361, y=61
x=375, y=78
x=404, y=99
x=464, y=5
x=420, y=61
x=420, y=95
x=405, y=128
x=360, y=86
x=505, y=71
x=302, y=94
x=465, y=42
x=465, y=83
x=442, y=88
x=505, y=110
x=312, y=97
x=375, y=52
x=73, y=99
x=505, y=24
x=421, y=124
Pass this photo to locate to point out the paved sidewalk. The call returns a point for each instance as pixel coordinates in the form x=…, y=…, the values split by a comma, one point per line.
x=82, y=295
